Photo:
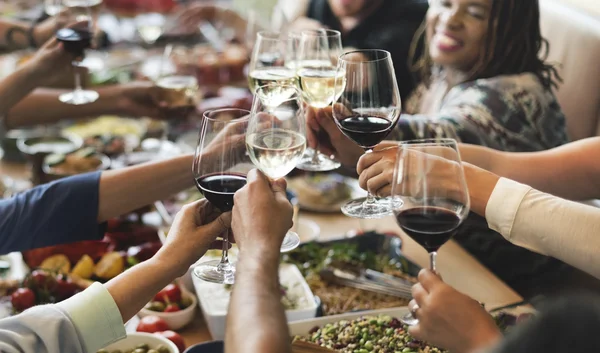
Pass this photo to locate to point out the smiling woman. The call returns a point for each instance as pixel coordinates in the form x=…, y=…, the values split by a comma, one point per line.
x=484, y=81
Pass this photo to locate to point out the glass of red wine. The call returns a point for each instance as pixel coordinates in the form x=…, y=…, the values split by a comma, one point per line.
x=429, y=195
x=366, y=111
x=76, y=39
x=220, y=167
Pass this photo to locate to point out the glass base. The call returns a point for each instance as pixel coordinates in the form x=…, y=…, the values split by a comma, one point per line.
x=409, y=320
x=359, y=209
x=79, y=97
x=322, y=164
x=290, y=242
x=215, y=272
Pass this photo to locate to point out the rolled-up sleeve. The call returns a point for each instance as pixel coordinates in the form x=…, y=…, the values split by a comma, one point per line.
x=86, y=322
x=61, y=212
x=546, y=224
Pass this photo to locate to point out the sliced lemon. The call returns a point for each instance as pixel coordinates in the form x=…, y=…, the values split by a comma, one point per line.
x=84, y=267
x=109, y=266
x=57, y=263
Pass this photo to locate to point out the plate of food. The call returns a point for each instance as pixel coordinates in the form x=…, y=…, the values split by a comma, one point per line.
x=374, y=251
x=325, y=192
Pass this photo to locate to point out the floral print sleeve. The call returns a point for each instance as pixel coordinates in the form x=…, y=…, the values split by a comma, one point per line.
x=510, y=113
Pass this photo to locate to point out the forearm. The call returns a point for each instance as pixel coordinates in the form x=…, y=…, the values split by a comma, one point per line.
x=17, y=40
x=124, y=190
x=27, y=112
x=481, y=184
x=546, y=224
x=257, y=292
x=15, y=87
x=132, y=289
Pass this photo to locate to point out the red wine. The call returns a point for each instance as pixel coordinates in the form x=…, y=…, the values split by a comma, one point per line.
x=431, y=227
x=220, y=188
x=74, y=40
x=367, y=131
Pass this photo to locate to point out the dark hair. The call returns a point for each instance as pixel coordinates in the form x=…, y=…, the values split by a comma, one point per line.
x=514, y=45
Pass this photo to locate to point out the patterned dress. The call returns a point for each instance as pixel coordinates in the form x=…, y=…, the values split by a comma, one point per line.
x=509, y=113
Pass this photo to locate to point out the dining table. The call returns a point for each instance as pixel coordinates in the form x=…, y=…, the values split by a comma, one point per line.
x=455, y=265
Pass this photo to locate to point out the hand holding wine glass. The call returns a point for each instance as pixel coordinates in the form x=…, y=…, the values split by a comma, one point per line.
x=219, y=174
x=428, y=211
x=366, y=112
x=276, y=140
x=76, y=39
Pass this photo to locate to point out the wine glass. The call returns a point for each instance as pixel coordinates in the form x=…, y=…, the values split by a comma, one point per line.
x=76, y=39
x=366, y=111
x=276, y=140
x=53, y=7
x=429, y=194
x=220, y=167
x=268, y=67
x=317, y=73
x=149, y=24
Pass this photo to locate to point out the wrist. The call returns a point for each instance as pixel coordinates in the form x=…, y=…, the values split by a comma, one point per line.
x=173, y=265
x=113, y=99
x=481, y=184
x=485, y=340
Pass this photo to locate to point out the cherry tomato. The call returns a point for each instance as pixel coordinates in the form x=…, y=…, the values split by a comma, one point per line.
x=40, y=279
x=22, y=298
x=65, y=288
x=152, y=324
x=171, y=308
x=169, y=294
x=175, y=338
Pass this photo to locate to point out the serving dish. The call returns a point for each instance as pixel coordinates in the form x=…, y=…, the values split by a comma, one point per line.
x=214, y=299
x=178, y=319
x=135, y=338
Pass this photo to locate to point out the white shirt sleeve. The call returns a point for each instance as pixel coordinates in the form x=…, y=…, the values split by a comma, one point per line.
x=83, y=323
x=546, y=224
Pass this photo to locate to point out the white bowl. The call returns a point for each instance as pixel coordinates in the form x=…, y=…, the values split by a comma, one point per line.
x=177, y=319
x=133, y=339
x=214, y=308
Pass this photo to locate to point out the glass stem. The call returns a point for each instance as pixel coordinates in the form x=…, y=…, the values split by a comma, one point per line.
x=225, y=254
x=432, y=258
x=78, y=88
x=370, y=200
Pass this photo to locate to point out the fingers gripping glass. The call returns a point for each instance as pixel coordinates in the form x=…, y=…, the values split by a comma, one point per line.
x=220, y=167
x=81, y=16
x=366, y=110
x=429, y=195
x=316, y=73
x=276, y=139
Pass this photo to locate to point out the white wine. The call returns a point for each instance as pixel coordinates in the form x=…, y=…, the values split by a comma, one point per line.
x=276, y=152
x=318, y=84
x=178, y=91
x=80, y=8
x=281, y=84
x=150, y=33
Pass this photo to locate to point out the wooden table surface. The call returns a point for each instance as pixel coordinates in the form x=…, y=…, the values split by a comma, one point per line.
x=456, y=266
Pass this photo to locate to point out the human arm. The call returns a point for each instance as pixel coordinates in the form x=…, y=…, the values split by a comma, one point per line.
x=19, y=39
x=259, y=232
x=136, y=99
x=571, y=171
x=450, y=319
x=68, y=327
x=71, y=209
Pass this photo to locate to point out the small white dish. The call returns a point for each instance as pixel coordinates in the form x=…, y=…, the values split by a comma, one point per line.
x=177, y=319
x=135, y=338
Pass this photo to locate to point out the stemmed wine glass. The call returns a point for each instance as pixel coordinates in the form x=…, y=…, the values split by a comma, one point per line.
x=268, y=67
x=317, y=73
x=76, y=40
x=366, y=111
x=276, y=140
x=220, y=167
x=149, y=24
x=429, y=195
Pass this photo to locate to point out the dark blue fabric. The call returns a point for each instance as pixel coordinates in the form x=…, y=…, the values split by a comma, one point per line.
x=63, y=211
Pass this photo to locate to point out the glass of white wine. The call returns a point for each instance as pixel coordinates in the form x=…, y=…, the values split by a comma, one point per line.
x=150, y=25
x=317, y=71
x=268, y=68
x=276, y=139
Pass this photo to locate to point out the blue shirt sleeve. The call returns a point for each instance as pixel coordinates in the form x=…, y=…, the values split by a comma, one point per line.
x=61, y=212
